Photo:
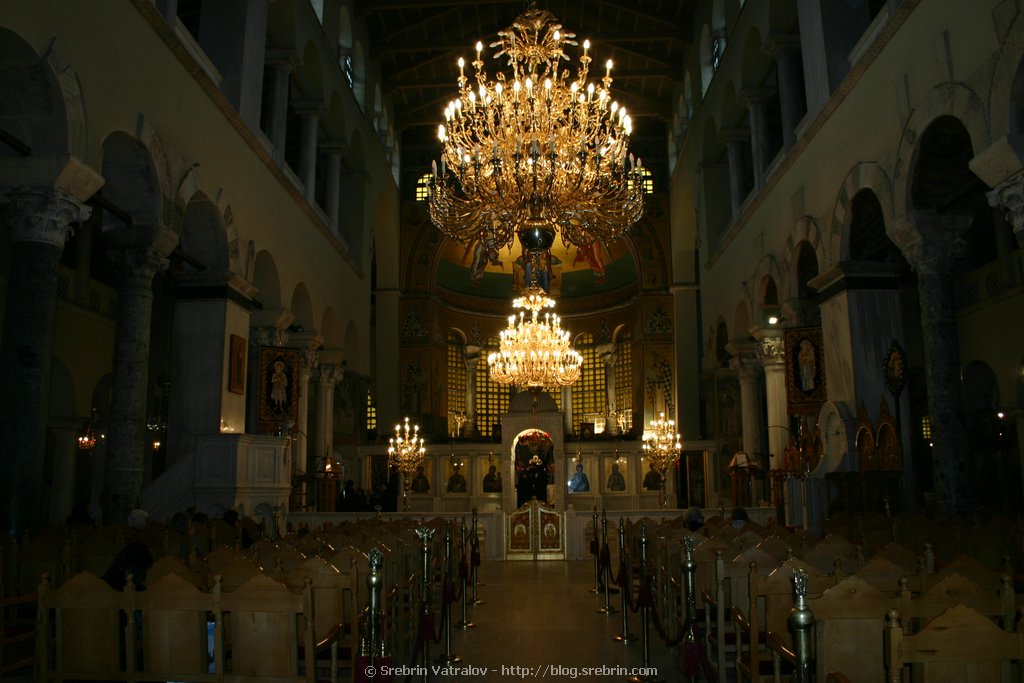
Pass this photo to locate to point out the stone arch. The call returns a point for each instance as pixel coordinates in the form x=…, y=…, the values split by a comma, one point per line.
x=782, y=16
x=741, y=319
x=980, y=388
x=1006, y=93
x=301, y=307
x=333, y=121
x=359, y=74
x=864, y=176
x=132, y=182
x=354, y=186
x=32, y=106
x=950, y=99
x=309, y=76
x=266, y=280
x=721, y=340
x=203, y=236
x=763, y=289
x=756, y=65
x=804, y=230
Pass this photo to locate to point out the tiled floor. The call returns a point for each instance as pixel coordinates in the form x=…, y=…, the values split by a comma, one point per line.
x=539, y=616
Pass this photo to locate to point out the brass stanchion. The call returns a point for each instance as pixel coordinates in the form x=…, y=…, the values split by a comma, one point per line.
x=371, y=645
x=426, y=534
x=597, y=557
x=475, y=559
x=801, y=621
x=447, y=596
x=465, y=624
x=645, y=618
x=606, y=571
x=625, y=637
x=690, y=642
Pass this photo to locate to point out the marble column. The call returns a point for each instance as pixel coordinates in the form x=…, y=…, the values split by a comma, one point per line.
x=567, y=415
x=329, y=376
x=785, y=48
x=139, y=252
x=772, y=354
x=300, y=445
x=40, y=220
x=309, y=111
x=748, y=369
x=735, y=140
x=755, y=99
x=334, y=151
x=933, y=255
x=607, y=354
x=280, y=66
x=472, y=361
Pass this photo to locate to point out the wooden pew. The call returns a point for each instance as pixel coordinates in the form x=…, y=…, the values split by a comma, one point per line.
x=960, y=646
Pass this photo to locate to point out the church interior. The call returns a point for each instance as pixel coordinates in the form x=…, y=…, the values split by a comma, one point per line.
x=680, y=312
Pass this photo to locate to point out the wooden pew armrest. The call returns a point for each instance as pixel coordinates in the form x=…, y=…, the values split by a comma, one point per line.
x=778, y=646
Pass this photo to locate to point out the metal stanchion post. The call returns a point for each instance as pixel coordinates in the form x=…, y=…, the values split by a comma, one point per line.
x=690, y=643
x=645, y=618
x=597, y=557
x=474, y=565
x=426, y=534
x=464, y=623
x=801, y=621
x=625, y=637
x=605, y=569
x=373, y=641
x=447, y=657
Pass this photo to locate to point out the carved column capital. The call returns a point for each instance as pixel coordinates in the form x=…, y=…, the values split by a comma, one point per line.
x=330, y=374
x=1009, y=196
x=933, y=243
x=771, y=351
x=141, y=251
x=43, y=214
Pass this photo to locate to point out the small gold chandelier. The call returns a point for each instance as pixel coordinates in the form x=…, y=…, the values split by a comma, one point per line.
x=662, y=446
x=535, y=147
x=535, y=351
x=405, y=453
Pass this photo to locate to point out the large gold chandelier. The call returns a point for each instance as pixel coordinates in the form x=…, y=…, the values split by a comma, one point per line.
x=535, y=351
x=405, y=453
x=535, y=148
x=662, y=446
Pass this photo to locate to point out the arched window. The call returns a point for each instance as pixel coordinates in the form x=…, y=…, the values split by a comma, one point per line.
x=492, y=399
x=457, y=386
x=717, y=48
x=588, y=393
x=423, y=187
x=647, y=180
x=624, y=380
x=371, y=413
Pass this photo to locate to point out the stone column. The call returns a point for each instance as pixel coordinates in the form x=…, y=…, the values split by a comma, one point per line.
x=748, y=369
x=933, y=255
x=472, y=361
x=40, y=220
x=607, y=354
x=388, y=373
x=327, y=380
x=785, y=49
x=735, y=139
x=754, y=100
x=309, y=111
x=280, y=66
x=139, y=252
x=334, y=151
x=300, y=448
x=771, y=352
x=567, y=415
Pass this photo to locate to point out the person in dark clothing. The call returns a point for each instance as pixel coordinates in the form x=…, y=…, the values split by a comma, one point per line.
x=135, y=559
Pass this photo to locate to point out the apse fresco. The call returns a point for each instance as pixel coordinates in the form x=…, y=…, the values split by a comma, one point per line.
x=479, y=270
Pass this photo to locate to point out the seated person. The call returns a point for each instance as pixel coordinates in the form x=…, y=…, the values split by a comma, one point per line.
x=616, y=482
x=420, y=483
x=456, y=482
x=739, y=518
x=492, y=480
x=579, y=482
x=652, y=480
